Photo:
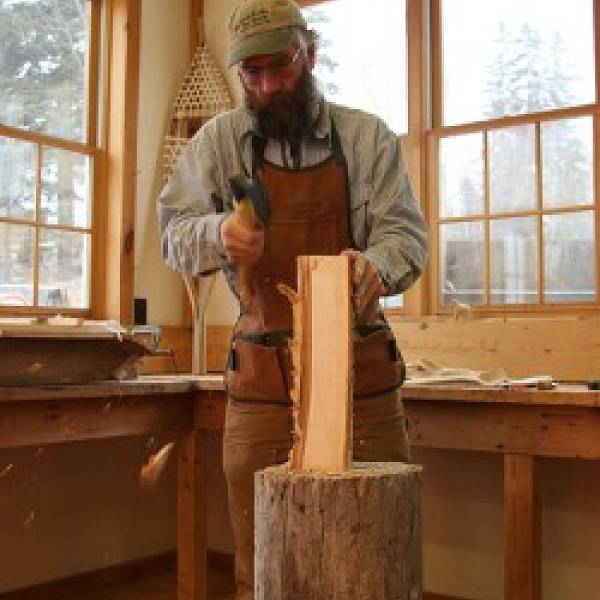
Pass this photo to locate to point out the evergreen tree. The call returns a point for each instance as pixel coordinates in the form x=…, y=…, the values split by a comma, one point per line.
x=528, y=73
x=43, y=54
x=325, y=64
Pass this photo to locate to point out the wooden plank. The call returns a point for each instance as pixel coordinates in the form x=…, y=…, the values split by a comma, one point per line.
x=48, y=140
x=218, y=342
x=198, y=291
x=513, y=120
x=54, y=421
x=322, y=362
x=559, y=431
x=437, y=70
x=93, y=73
x=143, y=386
x=210, y=409
x=85, y=584
x=122, y=158
x=196, y=16
x=178, y=342
x=46, y=361
x=522, y=553
x=72, y=228
x=564, y=347
x=562, y=395
x=191, y=518
x=433, y=169
x=419, y=121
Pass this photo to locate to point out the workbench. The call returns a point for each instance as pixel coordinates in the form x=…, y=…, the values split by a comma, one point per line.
x=59, y=414
x=520, y=424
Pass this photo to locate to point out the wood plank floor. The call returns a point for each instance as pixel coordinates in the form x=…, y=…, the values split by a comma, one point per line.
x=160, y=587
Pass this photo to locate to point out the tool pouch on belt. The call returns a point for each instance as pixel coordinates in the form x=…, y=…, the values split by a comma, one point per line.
x=258, y=372
x=378, y=364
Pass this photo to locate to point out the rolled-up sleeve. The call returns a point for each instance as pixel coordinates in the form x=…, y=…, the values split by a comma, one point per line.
x=397, y=236
x=188, y=213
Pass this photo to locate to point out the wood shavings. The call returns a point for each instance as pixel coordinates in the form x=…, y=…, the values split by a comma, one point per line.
x=6, y=470
x=151, y=472
x=29, y=519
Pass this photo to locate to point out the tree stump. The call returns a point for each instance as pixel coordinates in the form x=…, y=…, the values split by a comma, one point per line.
x=352, y=535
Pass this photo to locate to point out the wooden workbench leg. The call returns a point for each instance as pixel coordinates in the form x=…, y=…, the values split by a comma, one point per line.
x=191, y=518
x=522, y=531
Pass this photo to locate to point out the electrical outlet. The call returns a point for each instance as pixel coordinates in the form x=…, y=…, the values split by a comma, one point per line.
x=140, y=311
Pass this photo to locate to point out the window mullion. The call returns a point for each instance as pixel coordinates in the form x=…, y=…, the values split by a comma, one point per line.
x=596, y=183
x=36, y=229
x=540, y=216
x=93, y=68
x=487, y=262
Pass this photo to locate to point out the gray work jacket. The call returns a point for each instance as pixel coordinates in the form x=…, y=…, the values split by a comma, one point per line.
x=385, y=220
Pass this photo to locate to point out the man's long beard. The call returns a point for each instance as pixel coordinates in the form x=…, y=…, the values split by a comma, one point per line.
x=286, y=115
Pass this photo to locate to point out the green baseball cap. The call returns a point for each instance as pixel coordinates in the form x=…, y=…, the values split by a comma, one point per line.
x=262, y=27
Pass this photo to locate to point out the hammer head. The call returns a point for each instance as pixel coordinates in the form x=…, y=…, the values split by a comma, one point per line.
x=252, y=189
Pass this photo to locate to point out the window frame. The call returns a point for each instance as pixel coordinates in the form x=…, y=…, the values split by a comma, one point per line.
x=417, y=59
x=111, y=141
x=89, y=148
x=439, y=131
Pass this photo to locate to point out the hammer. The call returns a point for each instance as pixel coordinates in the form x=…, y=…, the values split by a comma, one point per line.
x=252, y=209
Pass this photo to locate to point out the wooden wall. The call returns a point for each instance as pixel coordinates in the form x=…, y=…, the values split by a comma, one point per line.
x=565, y=347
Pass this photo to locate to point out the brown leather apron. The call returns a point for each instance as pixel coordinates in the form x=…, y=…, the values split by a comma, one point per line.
x=309, y=216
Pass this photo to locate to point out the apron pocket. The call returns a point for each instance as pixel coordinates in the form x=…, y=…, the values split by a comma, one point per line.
x=378, y=364
x=255, y=372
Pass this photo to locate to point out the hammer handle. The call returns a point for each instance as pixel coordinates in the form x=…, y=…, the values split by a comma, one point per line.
x=245, y=212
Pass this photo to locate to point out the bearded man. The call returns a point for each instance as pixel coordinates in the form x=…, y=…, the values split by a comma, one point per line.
x=335, y=183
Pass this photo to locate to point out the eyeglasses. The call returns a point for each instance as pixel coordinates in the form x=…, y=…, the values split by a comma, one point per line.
x=279, y=69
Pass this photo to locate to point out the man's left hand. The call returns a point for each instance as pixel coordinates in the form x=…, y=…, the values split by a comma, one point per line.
x=367, y=285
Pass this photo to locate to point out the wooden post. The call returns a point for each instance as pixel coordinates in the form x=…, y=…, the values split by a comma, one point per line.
x=521, y=529
x=121, y=160
x=325, y=529
x=198, y=293
x=191, y=518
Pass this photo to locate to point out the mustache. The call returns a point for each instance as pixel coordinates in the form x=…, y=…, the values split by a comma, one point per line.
x=286, y=115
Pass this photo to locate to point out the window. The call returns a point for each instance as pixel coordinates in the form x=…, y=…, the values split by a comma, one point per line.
x=48, y=146
x=361, y=61
x=515, y=155
x=362, y=56
x=530, y=56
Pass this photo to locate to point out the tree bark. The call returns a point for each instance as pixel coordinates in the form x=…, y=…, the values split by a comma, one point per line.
x=338, y=536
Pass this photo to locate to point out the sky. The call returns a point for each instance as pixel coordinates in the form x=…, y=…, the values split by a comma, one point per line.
x=370, y=47
x=467, y=48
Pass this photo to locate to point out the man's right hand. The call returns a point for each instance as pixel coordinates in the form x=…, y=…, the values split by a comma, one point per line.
x=243, y=245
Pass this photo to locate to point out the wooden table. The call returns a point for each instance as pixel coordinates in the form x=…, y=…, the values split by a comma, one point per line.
x=60, y=414
x=520, y=424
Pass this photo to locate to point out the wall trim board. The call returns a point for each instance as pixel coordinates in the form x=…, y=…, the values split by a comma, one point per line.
x=131, y=571
x=82, y=583
x=565, y=347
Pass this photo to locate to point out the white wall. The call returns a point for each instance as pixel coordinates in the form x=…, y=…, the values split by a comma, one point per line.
x=71, y=508
x=164, y=59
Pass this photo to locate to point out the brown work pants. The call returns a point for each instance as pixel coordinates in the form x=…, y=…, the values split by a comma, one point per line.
x=258, y=435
